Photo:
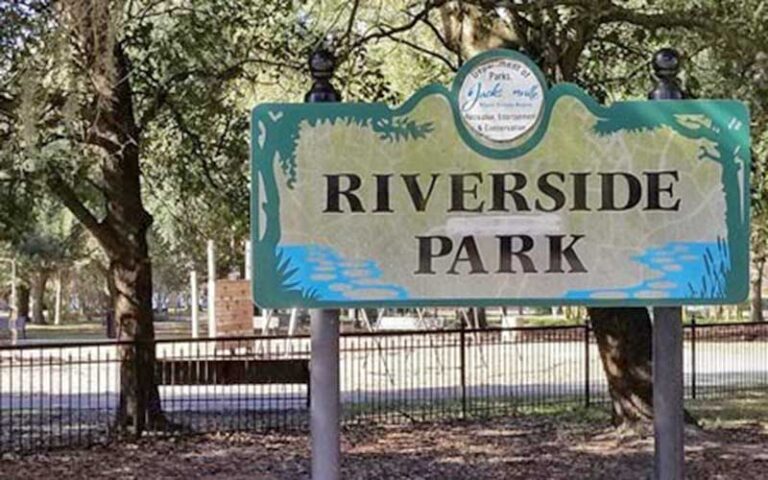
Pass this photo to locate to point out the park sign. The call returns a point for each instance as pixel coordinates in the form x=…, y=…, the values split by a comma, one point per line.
x=500, y=191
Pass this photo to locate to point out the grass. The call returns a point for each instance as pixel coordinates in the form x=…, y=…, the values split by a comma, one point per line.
x=549, y=321
x=95, y=330
x=747, y=407
x=750, y=406
x=558, y=409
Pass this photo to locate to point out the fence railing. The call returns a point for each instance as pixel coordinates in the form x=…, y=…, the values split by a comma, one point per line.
x=67, y=394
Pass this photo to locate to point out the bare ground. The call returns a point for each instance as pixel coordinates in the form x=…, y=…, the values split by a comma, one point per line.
x=733, y=444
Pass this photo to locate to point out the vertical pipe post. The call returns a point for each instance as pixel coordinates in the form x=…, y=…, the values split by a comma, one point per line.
x=57, y=301
x=668, y=418
x=247, y=273
x=693, y=356
x=463, y=368
x=194, y=303
x=14, y=307
x=325, y=403
x=211, y=289
x=13, y=319
x=669, y=463
x=587, y=392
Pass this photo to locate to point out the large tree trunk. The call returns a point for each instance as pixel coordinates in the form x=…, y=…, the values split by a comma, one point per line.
x=624, y=338
x=139, y=400
x=39, y=282
x=756, y=314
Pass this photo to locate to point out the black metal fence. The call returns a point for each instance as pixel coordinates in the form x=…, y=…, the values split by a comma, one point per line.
x=67, y=394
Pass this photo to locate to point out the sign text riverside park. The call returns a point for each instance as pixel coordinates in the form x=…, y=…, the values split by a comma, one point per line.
x=500, y=192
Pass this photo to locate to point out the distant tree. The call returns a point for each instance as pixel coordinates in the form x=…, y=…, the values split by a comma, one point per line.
x=96, y=86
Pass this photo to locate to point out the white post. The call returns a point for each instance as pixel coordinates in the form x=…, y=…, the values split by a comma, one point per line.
x=247, y=275
x=325, y=406
x=211, y=290
x=293, y=322
x=194, y=302
x=267, y=316
x=57, y=302
x=13, y=320
x=14, y=300
x=669, y=460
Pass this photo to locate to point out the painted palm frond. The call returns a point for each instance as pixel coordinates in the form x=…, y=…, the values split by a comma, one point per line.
x=397, y=129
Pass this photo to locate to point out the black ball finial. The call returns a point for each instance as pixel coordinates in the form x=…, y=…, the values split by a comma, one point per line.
x=666, y=66
x=322, y=63
x=666, y=63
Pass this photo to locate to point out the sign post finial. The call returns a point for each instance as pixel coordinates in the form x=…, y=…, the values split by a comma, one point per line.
x=666, y=66
x=322, y=64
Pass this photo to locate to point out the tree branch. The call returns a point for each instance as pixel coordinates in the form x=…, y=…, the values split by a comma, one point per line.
x=425, y=51
x=64, y=192
x=162, y=90
x=351, y=22
x=387, y=32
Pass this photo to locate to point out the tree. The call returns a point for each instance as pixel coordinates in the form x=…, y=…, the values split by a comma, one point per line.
x=735, y=65
x=759, y=255
x=555, y=38
x=570, y=42
x=100, y=91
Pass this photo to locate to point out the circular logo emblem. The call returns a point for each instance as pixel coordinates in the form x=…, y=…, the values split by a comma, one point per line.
x=501, y=99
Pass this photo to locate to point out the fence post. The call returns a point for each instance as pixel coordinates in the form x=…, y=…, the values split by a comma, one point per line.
x=586, y=364
x=693, y=356
x=463, y=368
x=139, y=416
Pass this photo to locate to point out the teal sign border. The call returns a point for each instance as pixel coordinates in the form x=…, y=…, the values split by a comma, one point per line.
x=274, y=137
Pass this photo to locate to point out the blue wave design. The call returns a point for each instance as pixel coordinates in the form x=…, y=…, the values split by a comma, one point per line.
x=329, y=276
x=687, y=270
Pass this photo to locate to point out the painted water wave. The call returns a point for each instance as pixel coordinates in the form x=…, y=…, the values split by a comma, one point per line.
x=686, y=270
x=324, y=274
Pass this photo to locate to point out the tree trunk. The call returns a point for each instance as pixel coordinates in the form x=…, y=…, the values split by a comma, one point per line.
x=478, y=317
x=22, y=301
x=39, y=282
x=139, y=397
x=624, y=338
x=756, y=314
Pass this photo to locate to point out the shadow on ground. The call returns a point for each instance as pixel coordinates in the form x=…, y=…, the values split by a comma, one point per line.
x=572, y=445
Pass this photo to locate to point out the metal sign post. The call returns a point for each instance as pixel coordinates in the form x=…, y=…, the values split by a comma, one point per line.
x=325, y=402
x=668, y=417
x=669, y=455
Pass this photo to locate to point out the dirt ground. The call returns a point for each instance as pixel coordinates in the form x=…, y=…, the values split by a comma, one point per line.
x=732, y=444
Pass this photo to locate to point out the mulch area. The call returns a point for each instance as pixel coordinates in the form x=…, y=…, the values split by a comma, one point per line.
x=527, y=447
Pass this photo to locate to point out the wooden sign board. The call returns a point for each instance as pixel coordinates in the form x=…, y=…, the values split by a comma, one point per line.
x=500, y=191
